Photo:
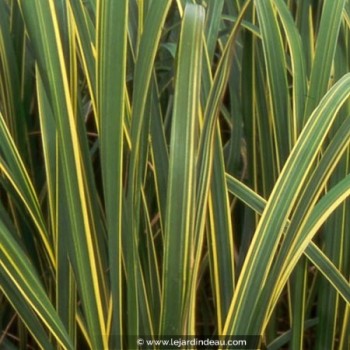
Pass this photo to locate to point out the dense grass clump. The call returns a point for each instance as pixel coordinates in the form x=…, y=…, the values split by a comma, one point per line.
x=174, y=168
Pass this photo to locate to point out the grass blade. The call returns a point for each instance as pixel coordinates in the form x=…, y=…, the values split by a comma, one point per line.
x=277, y=79
x=53, y=71
x=277, y=211
x=19, y=272
x=140, y=122
x=181, y=188
x=324, y=53
x=323, y=264
x=112, y=18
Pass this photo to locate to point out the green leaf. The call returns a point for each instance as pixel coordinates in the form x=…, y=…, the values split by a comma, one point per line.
x=322, y=263
x=181, y=187
x=19, y=273
x=324, y=54
x=42, y=26
x=275, y=63
x=112, y=20
x=280, y=204
x=14, y=170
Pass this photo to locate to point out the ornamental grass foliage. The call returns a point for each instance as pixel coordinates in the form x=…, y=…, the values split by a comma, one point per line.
x=173, y=168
